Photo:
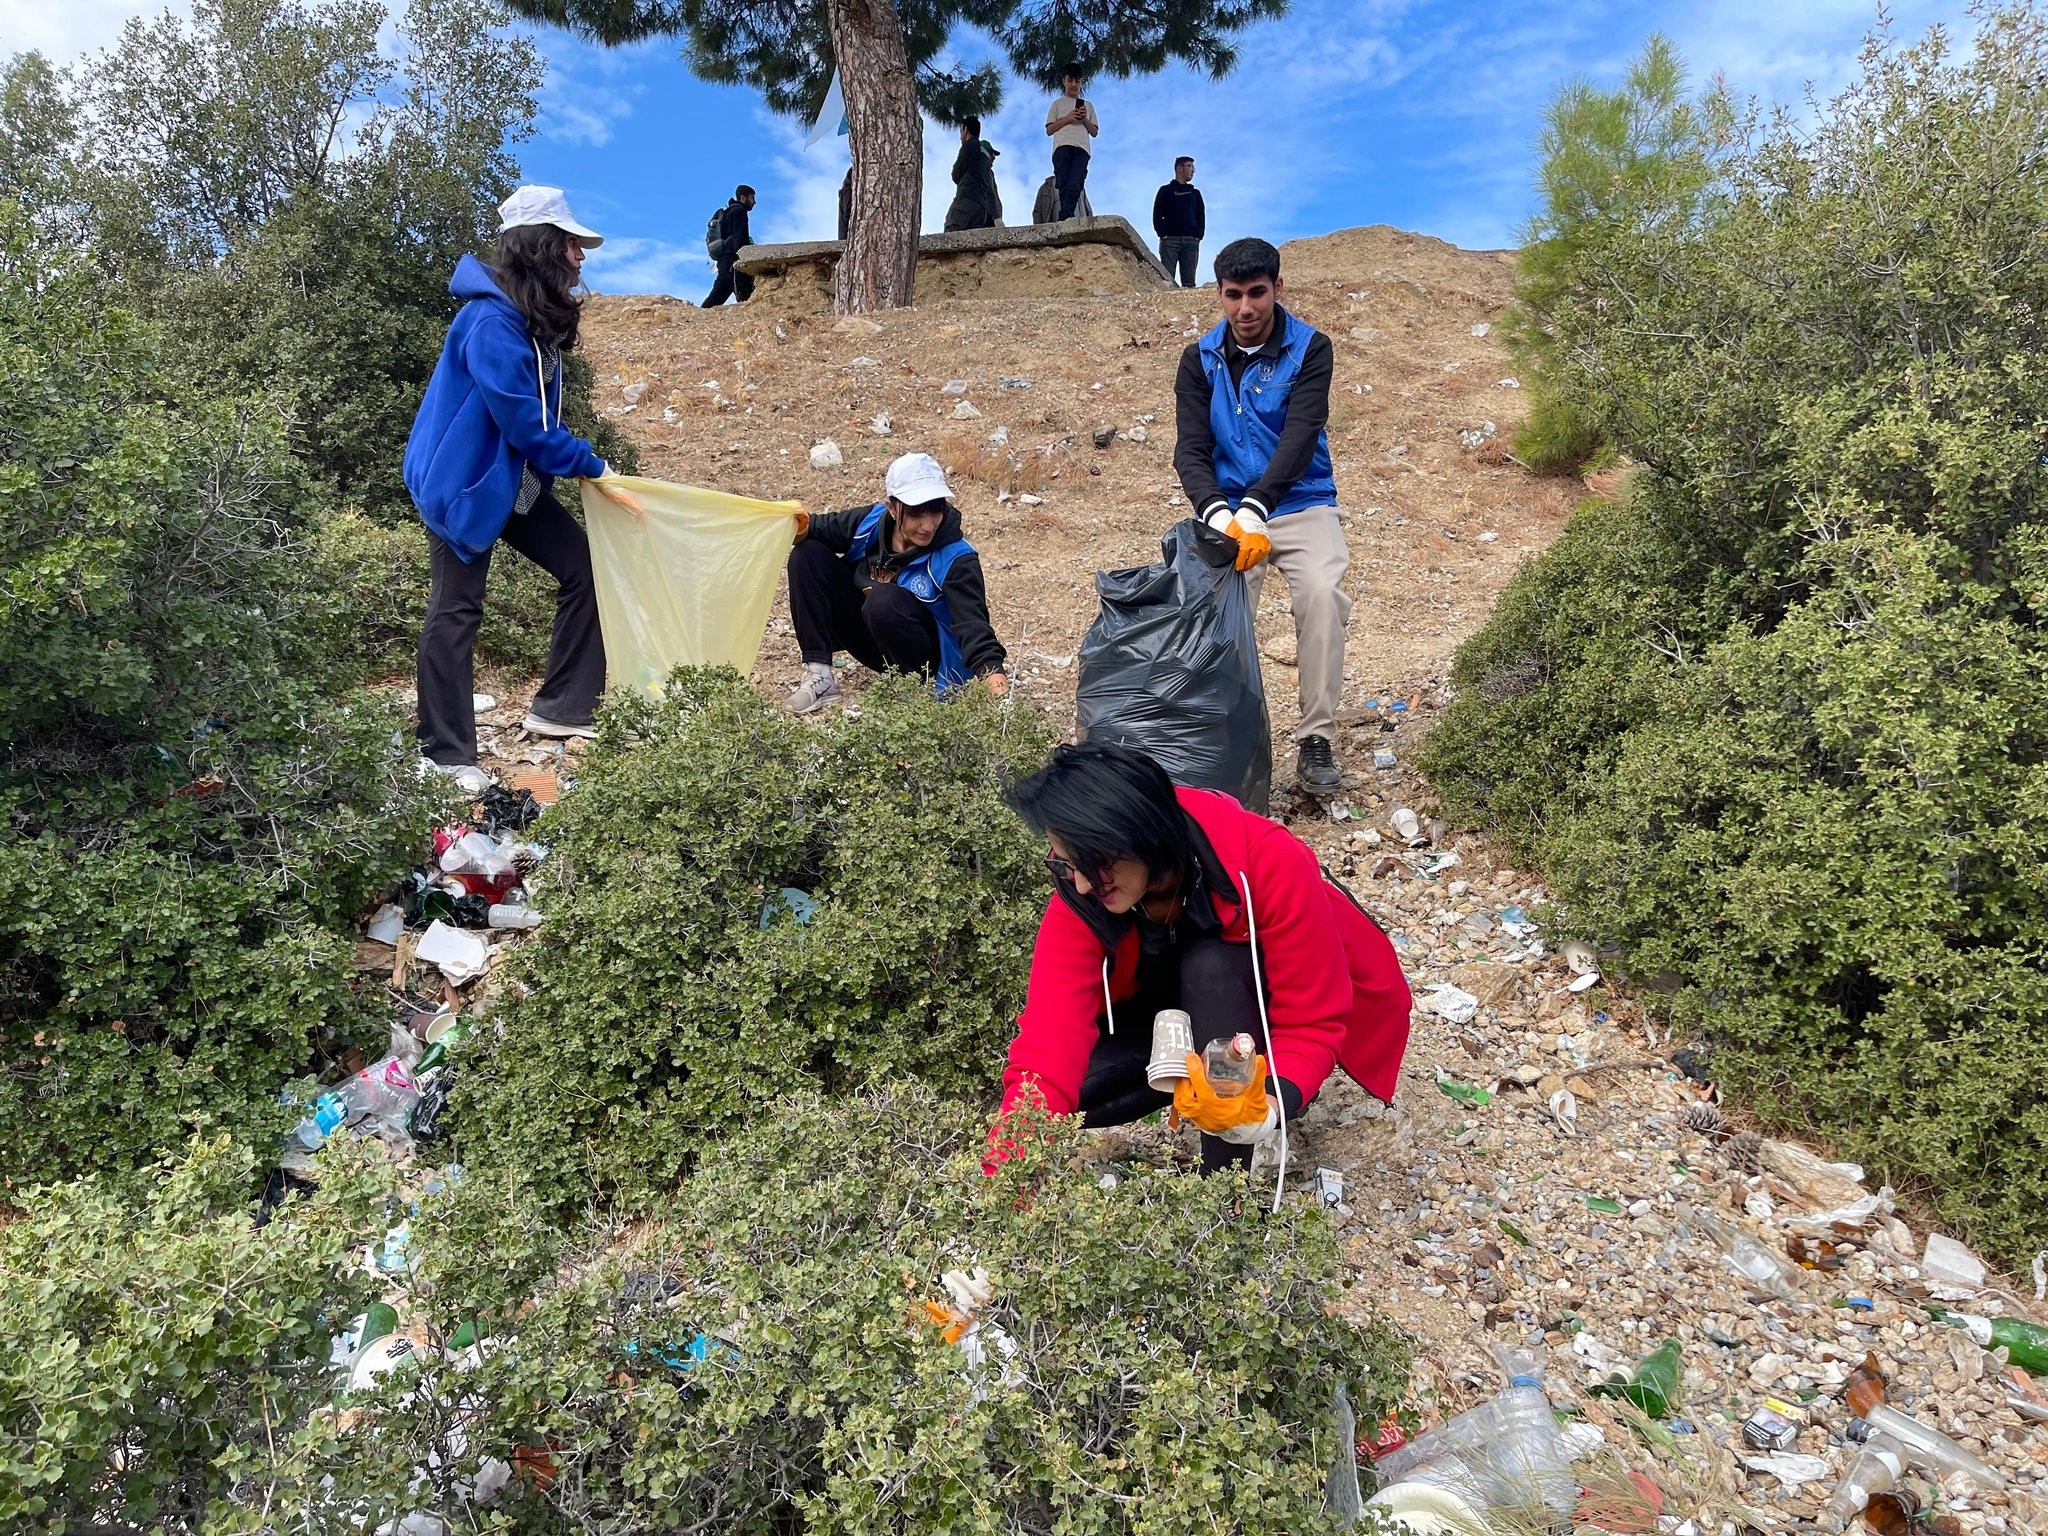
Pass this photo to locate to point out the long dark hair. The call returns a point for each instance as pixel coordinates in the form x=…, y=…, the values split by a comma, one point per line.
x=532, y=267
x=1106, y=803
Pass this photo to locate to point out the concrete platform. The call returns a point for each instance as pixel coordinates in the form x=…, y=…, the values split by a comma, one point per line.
x=1080, y=257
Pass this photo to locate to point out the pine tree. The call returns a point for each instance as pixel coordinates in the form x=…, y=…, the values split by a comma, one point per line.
x=884, y=53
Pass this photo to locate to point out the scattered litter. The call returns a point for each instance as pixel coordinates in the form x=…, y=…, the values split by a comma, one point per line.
x=1489, y=537
x=1465, y=1093
x=1951, y=1271
x=1509, y=383
x=1013, y=383
x=386, y=923
x=826, y=455
x=1383, y=758
x=1564, y=1109
x=1028, y=500
x=482, y=703
x=881, y=425
x=1481, y=329
x=999, y=437
x=1473, y=437
x=801, y=906
x=1583, y=982
x=1579, y=955
x=864, y=362
x=1453, y=1004
x=1405, y=823
x=1792, y=1471
x=1104, y=435
x=953, y=387
x=1654, y=1387
x=460, y=955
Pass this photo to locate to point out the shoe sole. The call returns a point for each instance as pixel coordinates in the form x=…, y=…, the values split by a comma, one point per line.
x=814, y=706
x=559, y=732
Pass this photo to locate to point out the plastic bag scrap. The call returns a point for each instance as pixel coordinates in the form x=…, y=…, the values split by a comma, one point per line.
x=689, y=586
x=1171, y=667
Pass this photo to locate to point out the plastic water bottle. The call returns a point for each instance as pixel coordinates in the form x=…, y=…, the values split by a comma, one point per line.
x=1228, y=1065
x=330, y=1114
x=1528, y=1446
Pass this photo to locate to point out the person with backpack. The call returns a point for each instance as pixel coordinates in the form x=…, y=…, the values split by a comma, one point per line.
x=480, y=465
x=725, y=236
x=1166, y=897
x=1180, y=221
x=897, y=585
x=978, y=202
x=1251, y=404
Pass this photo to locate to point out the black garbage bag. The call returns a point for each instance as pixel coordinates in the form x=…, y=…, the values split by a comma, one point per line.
x=1171, y=666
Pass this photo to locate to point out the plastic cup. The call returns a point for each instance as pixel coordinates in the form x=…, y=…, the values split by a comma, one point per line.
x=1173, y=1039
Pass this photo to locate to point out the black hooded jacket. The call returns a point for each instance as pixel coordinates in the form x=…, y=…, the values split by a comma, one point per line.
x=966, y=592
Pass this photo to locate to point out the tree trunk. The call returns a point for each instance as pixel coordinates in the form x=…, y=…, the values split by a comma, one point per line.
x=878, y=267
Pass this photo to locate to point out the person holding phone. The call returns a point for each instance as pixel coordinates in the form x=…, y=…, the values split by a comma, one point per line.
x=1071, y=125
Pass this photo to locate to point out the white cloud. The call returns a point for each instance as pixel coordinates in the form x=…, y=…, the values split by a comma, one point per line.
x=588, y=92
x=631, y=264
x=64, y=32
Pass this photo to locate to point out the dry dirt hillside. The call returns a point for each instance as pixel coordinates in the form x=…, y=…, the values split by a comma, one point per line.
x=1437, y=516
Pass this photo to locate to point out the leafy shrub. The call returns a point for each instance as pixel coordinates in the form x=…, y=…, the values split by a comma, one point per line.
x=161, y=1356
x=186, y=825
x=1176, y=1348
x=1764, y=724
x=664, y=1006
x=1834, y=834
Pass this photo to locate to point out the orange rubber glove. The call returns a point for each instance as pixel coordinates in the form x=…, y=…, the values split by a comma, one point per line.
x=1249, y=1114
x=1249, y=529
x=803, y=526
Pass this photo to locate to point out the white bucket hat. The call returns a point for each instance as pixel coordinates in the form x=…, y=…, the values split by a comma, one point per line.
x=543, y=205
x=915, y=479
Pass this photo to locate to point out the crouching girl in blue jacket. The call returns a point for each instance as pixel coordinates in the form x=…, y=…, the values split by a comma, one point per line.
x=485, y=449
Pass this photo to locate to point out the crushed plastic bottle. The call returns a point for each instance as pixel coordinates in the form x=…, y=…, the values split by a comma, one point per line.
x=1506, y=1454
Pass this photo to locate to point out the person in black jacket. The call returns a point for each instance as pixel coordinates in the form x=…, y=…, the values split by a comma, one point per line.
x=896, y=585
x=733, y=237
x=978, y=204
x=1180, y=221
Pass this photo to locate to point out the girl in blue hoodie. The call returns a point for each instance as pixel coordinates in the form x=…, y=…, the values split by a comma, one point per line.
x=485, y=449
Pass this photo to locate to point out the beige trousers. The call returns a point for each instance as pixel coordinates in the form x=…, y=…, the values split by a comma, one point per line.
x=1309, y=549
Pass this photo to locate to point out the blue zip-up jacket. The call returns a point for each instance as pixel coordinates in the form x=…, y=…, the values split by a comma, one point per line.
x=1259, y=438
x=487, y=413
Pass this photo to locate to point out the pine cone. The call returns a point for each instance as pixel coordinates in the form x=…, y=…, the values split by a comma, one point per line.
x=1745, y=1152
x=1702, y=1117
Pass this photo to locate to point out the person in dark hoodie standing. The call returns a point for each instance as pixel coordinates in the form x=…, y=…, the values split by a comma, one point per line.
x=978, y=202
x=896, y=585
x=733, y=237
x=1180, y=221
x=485, y=449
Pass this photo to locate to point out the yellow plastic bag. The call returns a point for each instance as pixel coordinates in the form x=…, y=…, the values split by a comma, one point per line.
x=688, y=587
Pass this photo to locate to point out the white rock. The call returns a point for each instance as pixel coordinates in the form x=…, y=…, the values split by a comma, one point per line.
x=826, y=455
x=1031, y=501
x=633, y=392
x=964, y=411
x=1481, y=329
x=1000, y=436
x=1139, y=435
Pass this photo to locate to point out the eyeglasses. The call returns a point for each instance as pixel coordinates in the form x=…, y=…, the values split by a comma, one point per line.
x=1062, y=870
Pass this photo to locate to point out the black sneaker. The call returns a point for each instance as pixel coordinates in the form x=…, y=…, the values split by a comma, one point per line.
x=1316, y=770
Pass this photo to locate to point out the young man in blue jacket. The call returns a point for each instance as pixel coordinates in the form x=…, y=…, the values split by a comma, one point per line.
x=1251, y=404
x=897, y=585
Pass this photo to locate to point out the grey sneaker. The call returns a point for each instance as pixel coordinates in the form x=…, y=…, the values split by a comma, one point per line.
x=1316, y=769
x=539, y=725
x=813, y=694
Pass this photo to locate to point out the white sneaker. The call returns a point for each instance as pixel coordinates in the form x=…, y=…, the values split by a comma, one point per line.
x=814, y=694
x=539, y=726
x=469, y=778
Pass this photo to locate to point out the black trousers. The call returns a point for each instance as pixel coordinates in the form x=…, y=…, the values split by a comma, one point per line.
x=884, y=628
x=553, y=540
x=1213, y=984
x=730, y=284
x=1070, y=175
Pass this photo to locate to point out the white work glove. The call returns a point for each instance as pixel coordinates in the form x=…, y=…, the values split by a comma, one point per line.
x=1246, y=526
x=1251, y=1135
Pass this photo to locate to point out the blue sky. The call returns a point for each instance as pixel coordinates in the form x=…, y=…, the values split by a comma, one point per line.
x=1423, y=114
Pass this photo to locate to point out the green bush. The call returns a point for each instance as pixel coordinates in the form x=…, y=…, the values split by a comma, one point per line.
x=1767, y=724
x=663, y=1007
x=187, y=826
x=1176, y=1348
x=159, y=1358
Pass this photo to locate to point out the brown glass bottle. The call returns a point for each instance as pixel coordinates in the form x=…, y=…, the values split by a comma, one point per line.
x=1865, y=1388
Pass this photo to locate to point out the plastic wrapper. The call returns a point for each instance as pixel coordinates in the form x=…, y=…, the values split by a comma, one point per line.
x=1171, y=667
x=691, y=585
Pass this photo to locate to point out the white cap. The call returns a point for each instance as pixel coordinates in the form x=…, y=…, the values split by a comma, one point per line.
x=543, y=205
x=916, y=479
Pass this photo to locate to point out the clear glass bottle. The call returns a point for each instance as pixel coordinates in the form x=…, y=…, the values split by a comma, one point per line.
x=1227, y=1063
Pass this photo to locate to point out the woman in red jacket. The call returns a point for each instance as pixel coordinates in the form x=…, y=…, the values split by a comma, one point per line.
x=1181, y=898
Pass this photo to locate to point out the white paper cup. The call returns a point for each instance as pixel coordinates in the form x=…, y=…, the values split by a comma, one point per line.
x=1173, y=1039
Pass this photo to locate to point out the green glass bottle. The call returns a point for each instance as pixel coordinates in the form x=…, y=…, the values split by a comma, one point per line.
x=1656, y=1384
x=2025, y=1343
